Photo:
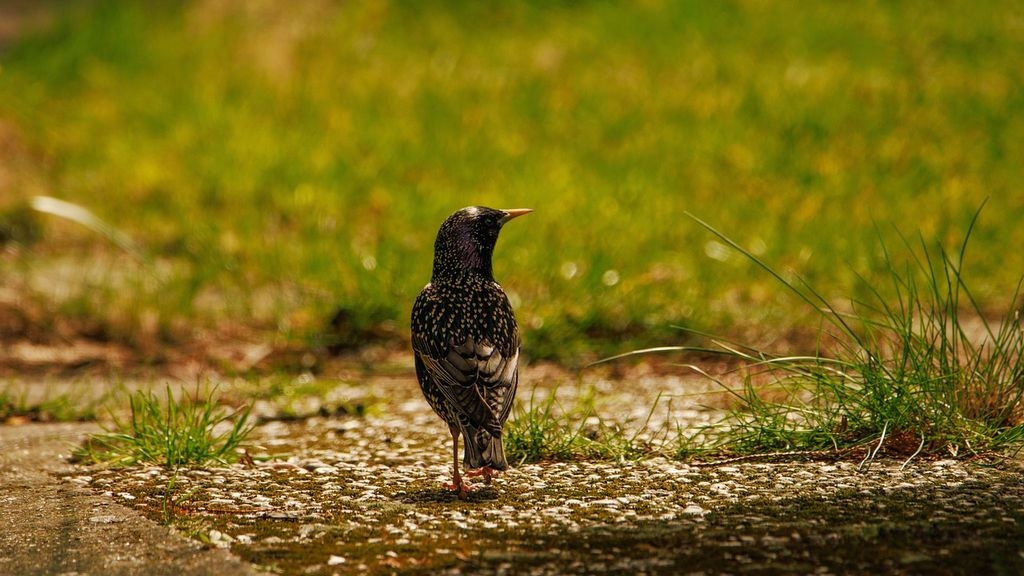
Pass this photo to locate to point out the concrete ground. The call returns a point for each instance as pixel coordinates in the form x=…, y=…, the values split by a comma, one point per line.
x=362, y=494
x=52, y=526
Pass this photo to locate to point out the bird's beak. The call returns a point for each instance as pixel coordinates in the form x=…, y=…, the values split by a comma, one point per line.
x=515, y=213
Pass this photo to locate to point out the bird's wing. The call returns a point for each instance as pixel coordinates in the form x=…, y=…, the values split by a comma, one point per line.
x=509, y=377
x=475, y=377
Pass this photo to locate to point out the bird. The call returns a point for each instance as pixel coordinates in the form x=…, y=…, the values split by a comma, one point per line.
x=466, y=342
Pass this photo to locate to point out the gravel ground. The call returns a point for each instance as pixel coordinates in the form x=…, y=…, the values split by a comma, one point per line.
x=363, y=494
x=51, y=526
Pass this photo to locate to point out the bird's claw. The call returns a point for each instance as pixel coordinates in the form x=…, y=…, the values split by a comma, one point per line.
x=461, y=489
x=487, y=472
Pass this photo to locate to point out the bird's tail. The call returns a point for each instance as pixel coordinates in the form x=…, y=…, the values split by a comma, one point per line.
x=483, y=450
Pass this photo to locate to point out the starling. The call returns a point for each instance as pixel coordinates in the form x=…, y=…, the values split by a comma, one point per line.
x=466, y=342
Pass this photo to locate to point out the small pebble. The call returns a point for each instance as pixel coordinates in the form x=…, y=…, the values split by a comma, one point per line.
x=105, y=519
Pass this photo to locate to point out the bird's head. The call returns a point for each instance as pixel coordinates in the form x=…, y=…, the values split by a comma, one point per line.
x=466, y=240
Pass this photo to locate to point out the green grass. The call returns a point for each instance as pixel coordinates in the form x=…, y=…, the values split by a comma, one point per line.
x=927, y=372
x=170, y=432
x=541, y=428
x=924, y=373
x=17, y=404
x=290, y=397
x=275, y=164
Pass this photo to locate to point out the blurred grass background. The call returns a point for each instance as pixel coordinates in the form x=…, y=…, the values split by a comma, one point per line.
x=278, y=162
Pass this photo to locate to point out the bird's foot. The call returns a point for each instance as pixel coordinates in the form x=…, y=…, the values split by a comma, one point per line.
x=461, y=488
x=487, y=472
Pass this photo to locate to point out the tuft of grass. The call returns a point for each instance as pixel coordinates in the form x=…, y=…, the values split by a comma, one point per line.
x=926, y=372
x=542, y=429
x=538, y=431
x=171, y=433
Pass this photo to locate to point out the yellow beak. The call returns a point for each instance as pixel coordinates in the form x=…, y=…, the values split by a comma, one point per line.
x=515, y=213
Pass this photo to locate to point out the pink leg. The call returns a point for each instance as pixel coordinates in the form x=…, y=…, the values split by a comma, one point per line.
x=458, y=484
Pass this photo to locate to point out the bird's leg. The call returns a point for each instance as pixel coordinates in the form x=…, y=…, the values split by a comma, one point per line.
x=458, y=484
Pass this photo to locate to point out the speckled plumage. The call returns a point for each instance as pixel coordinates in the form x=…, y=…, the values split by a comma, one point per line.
x=465, y=339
